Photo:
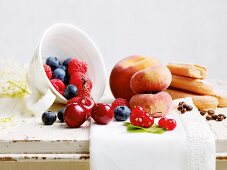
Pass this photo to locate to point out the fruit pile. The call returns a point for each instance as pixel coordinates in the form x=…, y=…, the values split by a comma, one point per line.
x=78, y=110
x=142, y=81
x=68, y=78
x=81, y=106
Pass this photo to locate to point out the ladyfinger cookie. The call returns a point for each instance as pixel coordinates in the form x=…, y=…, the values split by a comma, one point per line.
x=201, y=102
x=221, y=95
x=188, y=70
x=193, y=85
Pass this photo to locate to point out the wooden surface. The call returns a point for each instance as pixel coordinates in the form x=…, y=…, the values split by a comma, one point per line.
x=25, y=141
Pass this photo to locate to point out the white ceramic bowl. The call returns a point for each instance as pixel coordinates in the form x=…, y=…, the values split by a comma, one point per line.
x=63, y=41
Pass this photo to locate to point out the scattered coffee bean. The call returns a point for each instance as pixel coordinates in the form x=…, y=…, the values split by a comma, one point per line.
x=183, y=110
x=208, y=117
x=219, y=118
x=224, y=116
x=211, y=112
x=180, y=108
x=181, y=103
x=203, y=113
x=183, y=107
x=188, y=107
x=214, y=117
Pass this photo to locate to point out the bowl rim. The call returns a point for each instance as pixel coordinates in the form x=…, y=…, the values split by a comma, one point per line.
x=77, y=30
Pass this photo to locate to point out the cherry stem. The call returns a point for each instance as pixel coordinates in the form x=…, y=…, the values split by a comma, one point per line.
x=84, y=81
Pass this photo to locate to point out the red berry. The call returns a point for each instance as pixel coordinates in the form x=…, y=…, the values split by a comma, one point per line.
x=86, y=103
x=74, y=100
x=102, y=114
x=58, y=85
x=74, y=115
x=147, y=120
x=48, y=71
x=141, y=118
x=119, y=102
x=137, y=109
x=162, y=122
x=78, y=79
x=171, y=124
x=136, y=116
x=75, y=65
x=136, y=121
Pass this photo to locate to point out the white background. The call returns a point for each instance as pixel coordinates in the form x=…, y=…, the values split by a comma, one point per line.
x=171, y=30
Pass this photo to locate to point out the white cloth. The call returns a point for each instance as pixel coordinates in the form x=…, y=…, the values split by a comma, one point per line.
x=190, y=146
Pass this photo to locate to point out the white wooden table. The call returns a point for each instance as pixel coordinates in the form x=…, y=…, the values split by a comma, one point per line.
x=26, y=143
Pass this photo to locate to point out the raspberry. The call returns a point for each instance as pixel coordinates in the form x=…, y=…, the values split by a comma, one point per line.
x=58, y=85
x=78, y=80
x=119, y=102
x=75, y=65
x=48, y=71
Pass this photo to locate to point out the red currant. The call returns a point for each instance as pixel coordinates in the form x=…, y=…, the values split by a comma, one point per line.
x=141, y=118
x=136, y=121
x=137, y=110
x=162, y=122
x=148, y=121
x=171, y=124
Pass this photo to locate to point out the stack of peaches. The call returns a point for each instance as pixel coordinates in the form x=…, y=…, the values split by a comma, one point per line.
x=142, y=81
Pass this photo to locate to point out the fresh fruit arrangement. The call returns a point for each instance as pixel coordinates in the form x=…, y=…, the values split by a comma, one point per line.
x=142, y=82
x=141, y=75
x=68, y=77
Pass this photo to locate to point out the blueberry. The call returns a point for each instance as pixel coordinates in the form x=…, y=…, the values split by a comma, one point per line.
x=70, y=91
x=53, y=62
x=59, y=74
x=63, y=67
x=66, y=80
x=121, y=113
x=66, y=62
x=61, y=114
x=48, y=118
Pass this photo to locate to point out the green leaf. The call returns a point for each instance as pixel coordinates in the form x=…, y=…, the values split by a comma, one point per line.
x=153, y=129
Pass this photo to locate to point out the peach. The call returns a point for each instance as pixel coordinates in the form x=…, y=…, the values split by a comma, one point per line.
x=123, y=71
x=152, y=79
x=156, y=105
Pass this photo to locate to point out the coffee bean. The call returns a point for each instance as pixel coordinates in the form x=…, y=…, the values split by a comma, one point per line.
x=224, y=116
x=183, y=110
x=188, y=107
x=181, y=103
x=219, y=118
x=208, y=117
x=211, y=112
x=180, y=108
x=203, y=113
x=214, y=117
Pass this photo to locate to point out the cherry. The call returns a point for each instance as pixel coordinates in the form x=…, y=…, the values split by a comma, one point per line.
x=74, y=115
x=102, y=114
x=162, y=122
x=85, y=102
x=171, y=124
